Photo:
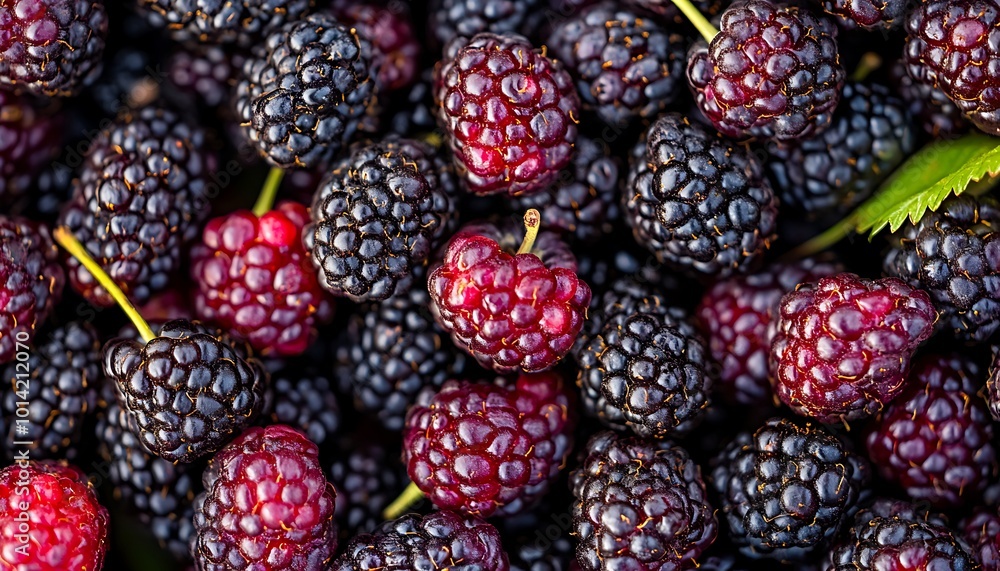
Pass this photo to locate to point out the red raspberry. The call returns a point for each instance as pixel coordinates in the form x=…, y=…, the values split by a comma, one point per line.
x=982, y=531
x=843, y=345
x=255, y=281
x=510, y=113
x=489, y=449
x=266, y=507
x=935, y=439
x=510, y=311
x=67, y=528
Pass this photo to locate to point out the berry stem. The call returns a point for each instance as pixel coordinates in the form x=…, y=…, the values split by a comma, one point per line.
x=266, y=199
x=707, y=30
x=869, y=63
x=410, y=496
x=76, y=249
x=532, y=220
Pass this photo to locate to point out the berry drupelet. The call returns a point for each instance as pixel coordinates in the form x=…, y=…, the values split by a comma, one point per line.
x=205, y=72
x=520, y=311
x=376, y=217
x=954, y=254
x=143, y=190
x=387, y=26
x=51, y=47
x=867, y=14
x=31, y=282
x=626, y=65
x=935, y=112
x=367, y=478
x=302, y=96
x=737, y=316
x=697, y=202
x=954, y=45
x=67, y=528
x=773, y=71
x=843, y=345
x=242, y=22
x=787, y=489
x=982, y=531
x=453, y=18
x=935, y=440
x=508, y=111
x=304, y=400
x=490, y=449
x=267, y=505
x=29, y=138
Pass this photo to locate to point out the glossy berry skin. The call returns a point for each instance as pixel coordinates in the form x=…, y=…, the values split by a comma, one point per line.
x=935, y=440
x=453, y=18
x=388, y=28
x=787, y=489
x=300, y=98
x=267, y=505
x=639, y=505
x=867, y=14
x=899, y=543
x=367, y=479
x=953, y=253
x=954, y=45
x=508, y=111
x=51, y=47
x=207, y=73
x=255, y=281
x=509, y=311
x=786, y=89
x=67, y=527
x=490, y=449
x=843, y=345
x=439, y=540
x=31, y=282
x=241, y=22
x=982, y=531
x=304, y=400
x=189, y=390
x=697, y=202
x=28, y=141
x=737, y=315
x=936, y=113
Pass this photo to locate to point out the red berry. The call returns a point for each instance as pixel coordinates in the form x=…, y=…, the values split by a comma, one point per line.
x=982, y=531
x=28, y=141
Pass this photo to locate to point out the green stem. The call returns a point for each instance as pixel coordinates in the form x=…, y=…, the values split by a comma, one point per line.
x=76, y=249
x=532, y=220
x=700, y=22
x=410, y=496
x=266, y=199
x=831, y=236
x=869, y=63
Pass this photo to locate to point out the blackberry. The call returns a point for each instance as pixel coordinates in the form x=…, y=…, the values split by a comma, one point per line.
x=639, y=505
x=453, y=18
x=51, y=191
x=304, y=400
x=790, y=87
x=626, y=65
x=950, y=253
x=367, y=478
x=60, y=388
x=376, y=217
x=642, y=365
x=417, y=114
x=787, y=489
x=669, y=12
x=28, y=140
x=143, y=191
x=205, y=72
x=982, y=532
x=394, y=350
x=697, y=202
x=189, y=391
x=240, y=22
x=867, y=14
x=301, y=97
x=938, y=116
x=530, y=553
x=51, y=47
x=387, y=27
x=899, y=543
x=871, y=134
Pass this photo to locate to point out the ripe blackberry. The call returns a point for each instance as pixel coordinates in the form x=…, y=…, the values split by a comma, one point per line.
x=60, y=387
x=301, y=97
x=367, y=478
x=842, y=346
x=952, y=45
x=509, y=113
x=993, y=388
x=790, y=86
x=453, y=18
x=982, y=532
x=28, y=143
x=737, y=315
x=205, y=72
x=871, y=134
x=696, y=201
x=439, y=540
x=266, y=505
x=51, y=47
x=520, y=311
x=305, y=401
x=787, y=489
x=583, y=201
x=189, y=390
x=254, y=280
x=68, y=528
x=394, y=350
x=641, y=364
x=867, y=14
x=395, y=49
x=951, y=254
x=935, y=440
x=626, y=65
x=31, y=282
x=143, y=191
x=639, y=505
x=936, y=113
x=243, y=22
x=490, y=449
x=377, y=216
